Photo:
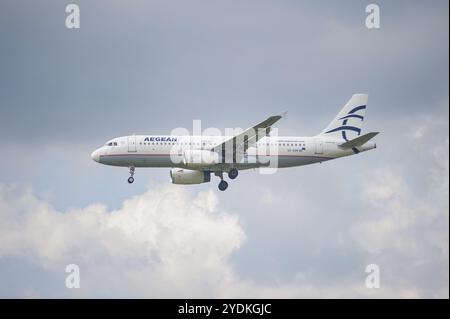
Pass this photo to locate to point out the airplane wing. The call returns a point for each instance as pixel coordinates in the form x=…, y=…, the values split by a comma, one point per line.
x=236, y=147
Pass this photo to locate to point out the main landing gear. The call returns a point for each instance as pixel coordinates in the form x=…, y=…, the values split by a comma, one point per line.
x=131, y=178
x=223, y=185
x=232, y=174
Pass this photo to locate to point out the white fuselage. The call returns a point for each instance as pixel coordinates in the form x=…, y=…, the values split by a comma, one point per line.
x=169, y=151
x=193, y=159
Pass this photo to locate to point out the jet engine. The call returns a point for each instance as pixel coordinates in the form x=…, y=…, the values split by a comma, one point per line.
x=187, y=176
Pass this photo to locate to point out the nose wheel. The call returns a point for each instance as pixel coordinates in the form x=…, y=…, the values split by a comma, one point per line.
x=131, y=178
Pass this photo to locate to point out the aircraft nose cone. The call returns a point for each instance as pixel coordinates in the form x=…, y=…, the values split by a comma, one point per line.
x=95, y=155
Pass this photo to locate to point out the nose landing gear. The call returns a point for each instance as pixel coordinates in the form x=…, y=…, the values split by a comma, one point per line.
x=131, y=178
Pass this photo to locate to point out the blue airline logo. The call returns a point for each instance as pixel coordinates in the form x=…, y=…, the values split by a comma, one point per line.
x=344, y=128
x=160, y=139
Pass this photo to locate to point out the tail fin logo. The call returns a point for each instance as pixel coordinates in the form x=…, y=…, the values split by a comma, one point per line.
x=344, y=127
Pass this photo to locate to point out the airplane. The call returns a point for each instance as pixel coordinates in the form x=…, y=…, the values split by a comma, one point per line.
x=193, y=159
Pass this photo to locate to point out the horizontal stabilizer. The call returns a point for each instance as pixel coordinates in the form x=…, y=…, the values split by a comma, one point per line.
x=361, y=140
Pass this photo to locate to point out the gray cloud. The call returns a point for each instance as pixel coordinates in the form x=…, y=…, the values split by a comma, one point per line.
x=150, y=66
x=133, y=67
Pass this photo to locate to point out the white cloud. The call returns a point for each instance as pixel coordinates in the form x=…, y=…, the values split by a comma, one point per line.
x=167, y=242
x=405, y=221
x=399, y=212
x=173, y=242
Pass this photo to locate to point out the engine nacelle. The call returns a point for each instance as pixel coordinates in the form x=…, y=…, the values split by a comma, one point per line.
x=187, y=176
x=199, y=158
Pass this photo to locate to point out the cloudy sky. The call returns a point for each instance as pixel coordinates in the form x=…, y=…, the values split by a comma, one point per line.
x=151, y=66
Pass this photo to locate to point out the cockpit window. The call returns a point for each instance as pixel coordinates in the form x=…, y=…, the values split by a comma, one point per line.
x=111, y=144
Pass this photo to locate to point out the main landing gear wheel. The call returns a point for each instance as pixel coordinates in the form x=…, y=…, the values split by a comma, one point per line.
x=131, y=178
x=233, y=173
x=223, y=185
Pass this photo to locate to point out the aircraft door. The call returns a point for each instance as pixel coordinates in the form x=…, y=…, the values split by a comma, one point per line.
x=319, y=147
x=132, y=144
